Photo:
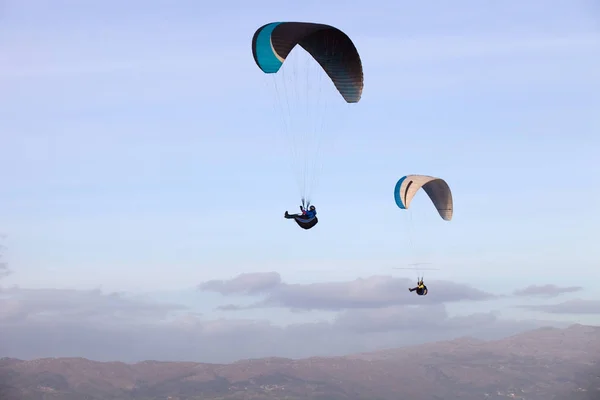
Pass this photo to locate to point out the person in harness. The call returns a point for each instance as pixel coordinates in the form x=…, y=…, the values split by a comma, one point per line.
x=421, y=289
x=307, y=217
x=306, y=213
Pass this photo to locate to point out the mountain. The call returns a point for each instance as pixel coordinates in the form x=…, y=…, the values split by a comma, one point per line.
x=544, y=364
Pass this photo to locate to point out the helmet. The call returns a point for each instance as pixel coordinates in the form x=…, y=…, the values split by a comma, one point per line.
x=312, y=207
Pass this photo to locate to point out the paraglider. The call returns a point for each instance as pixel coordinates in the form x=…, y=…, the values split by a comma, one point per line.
x=421, y=289
x=330, y=51
x=307, y=217
x=440, y=195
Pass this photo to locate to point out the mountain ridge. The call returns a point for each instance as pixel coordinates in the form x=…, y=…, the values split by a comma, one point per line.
x=533, y=365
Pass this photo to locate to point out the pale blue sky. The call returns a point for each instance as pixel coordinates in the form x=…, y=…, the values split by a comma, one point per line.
x=138, y=154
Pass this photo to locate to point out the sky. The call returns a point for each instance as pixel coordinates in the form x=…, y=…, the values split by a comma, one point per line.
x=145, y=175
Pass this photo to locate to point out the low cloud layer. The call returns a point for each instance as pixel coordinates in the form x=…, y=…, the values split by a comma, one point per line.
x=576, y=306
x=63, y=305
x=371, y=292
x=372, y=313
x=252, y=283
x=546, y=290
x=52, y=323
x=4, y=271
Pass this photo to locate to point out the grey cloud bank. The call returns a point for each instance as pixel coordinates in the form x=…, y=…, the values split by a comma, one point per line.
x=575, y=306
x=546, y=290
x=4, y=271
x=373, y=313
x=371, y=292
x=45, y=324
x=248, y=283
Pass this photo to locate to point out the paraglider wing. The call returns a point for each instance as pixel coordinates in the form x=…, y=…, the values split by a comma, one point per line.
x=436, y=188
x=329, y=46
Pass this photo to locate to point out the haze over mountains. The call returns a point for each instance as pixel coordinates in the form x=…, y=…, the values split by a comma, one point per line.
x=543, y=364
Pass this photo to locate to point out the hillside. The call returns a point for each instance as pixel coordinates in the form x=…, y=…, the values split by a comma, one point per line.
x=543, y=364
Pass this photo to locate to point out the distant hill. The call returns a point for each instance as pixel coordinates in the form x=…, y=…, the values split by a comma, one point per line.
x=544, y=364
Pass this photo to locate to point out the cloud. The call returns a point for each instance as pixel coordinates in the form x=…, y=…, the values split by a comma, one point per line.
x=249, y=283
x=577, y=306
x=56, y=305
x=231, y=307
x=401, y=318
x=371, y=292
x=4, y=271
x=546, y=290
x=51, y=323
